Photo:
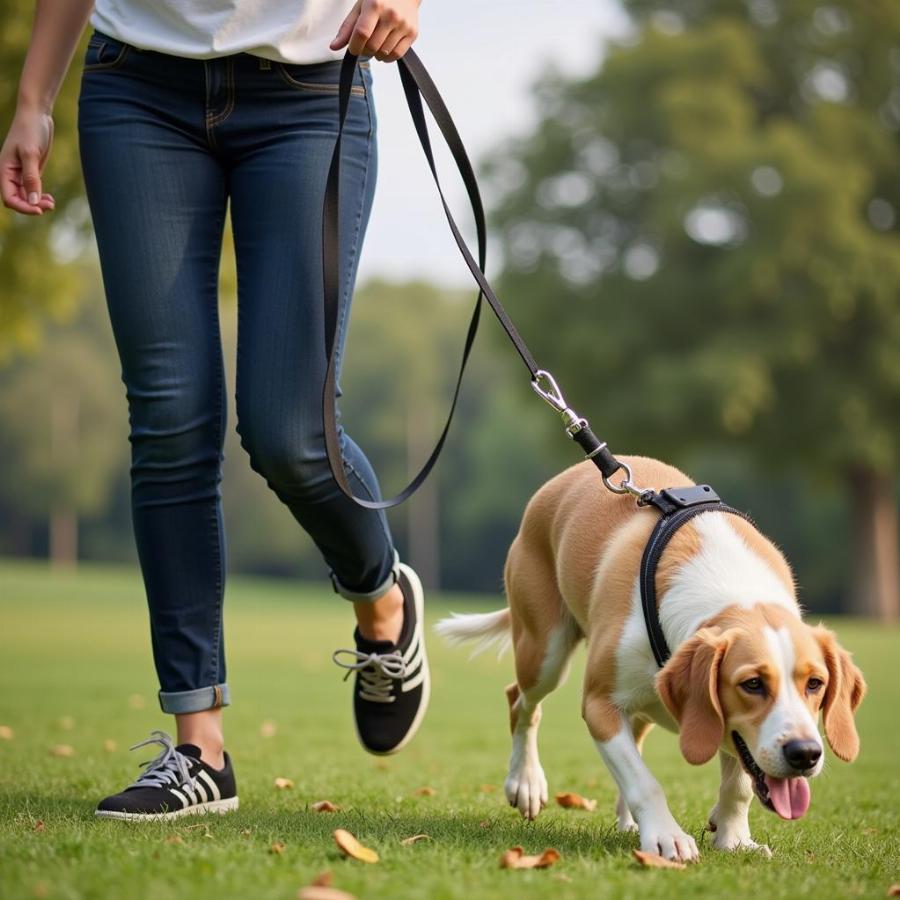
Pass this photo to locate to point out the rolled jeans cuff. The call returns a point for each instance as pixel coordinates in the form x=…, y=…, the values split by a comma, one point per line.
x=375, y=593
x=194, y=701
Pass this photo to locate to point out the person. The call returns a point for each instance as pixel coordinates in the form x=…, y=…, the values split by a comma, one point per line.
x=186, y=108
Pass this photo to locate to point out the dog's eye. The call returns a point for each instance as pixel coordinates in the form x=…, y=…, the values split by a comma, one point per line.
x=754, y=686
x=814, y=685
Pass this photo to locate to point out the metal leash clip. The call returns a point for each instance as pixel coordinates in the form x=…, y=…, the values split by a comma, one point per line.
x=554, y=396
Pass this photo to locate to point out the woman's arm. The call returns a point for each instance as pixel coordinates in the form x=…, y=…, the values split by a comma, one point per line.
x=57, y=28
x=384, y=29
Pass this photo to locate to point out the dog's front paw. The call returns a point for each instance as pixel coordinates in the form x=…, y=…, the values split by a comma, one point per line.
x=663, y=837
x=735, y=842
x=526, y=790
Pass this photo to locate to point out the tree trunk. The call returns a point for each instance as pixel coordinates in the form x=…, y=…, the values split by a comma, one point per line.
x=876, y=588
x=423, y=520
x=63, y=539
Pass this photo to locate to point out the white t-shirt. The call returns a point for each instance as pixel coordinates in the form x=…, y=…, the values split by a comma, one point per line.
x=292, y=31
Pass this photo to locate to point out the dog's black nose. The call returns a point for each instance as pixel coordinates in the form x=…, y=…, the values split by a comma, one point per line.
x=802, y=755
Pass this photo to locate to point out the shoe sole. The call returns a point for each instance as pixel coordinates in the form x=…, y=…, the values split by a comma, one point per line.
x=419, y=594
x=214, y=807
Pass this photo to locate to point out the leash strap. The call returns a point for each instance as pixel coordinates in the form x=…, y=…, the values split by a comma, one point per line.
x=678, y=506
x=417, y=84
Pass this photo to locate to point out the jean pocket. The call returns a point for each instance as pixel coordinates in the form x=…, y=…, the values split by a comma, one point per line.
x=104, y=52
x=322, y=78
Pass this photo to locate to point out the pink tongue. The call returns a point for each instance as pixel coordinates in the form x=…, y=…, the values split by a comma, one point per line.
x=789, y=796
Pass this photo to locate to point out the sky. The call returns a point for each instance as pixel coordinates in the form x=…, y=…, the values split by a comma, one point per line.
x=483, y=55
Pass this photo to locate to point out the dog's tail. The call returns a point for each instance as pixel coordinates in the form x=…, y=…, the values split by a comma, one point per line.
x=487, y=629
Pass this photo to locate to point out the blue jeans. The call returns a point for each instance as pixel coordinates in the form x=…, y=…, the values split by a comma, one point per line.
x=166, y=142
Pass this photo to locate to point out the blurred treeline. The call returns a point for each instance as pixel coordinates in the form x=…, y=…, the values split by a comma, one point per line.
x=700, y=239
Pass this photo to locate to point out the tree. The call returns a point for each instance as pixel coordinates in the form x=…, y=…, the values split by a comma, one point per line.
x=707, y=229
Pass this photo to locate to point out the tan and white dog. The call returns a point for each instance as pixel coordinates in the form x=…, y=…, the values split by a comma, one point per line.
x=746, y=679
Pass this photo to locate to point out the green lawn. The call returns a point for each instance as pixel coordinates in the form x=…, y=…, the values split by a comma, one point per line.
x=75, y=669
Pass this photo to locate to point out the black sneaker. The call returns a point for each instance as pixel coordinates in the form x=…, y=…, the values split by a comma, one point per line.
x=176, y=783
x=392, y=686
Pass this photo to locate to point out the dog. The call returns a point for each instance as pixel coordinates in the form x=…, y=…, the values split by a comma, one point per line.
x=746, y=680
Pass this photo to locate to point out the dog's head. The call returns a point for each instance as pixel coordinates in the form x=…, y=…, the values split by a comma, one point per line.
x=753, y=686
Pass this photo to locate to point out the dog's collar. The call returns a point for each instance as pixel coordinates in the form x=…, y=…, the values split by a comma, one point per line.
x=677, y=506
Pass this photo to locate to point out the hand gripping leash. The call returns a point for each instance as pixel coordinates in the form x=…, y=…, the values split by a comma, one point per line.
x=417, y=84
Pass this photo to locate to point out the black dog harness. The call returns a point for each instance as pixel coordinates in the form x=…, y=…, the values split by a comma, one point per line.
x=678, y=506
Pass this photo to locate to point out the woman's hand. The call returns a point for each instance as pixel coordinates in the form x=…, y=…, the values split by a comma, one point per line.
x=22, y=159
x=384, y=29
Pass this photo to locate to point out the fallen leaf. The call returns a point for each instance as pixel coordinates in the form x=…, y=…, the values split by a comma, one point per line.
x=575, y=801
x=283, y=784
x=350, y=846
x=62, y=750
x=268, y=729
x=425, y=792
x=415, y=839
x=40, y=826
x=278, y=847
x=515, y=858
x=325, y=806
x=246, y=832
x=67, y=723
x=110, y=746
x=894, y=890
x=654, y=861
x=136, y=701
x=174, y=839
x=6, y=733
x=318, y=892
x=323, y=879
x=487, y=788
x=485, y=823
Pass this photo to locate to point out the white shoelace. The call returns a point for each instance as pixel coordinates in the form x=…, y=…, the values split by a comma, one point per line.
x=377, y=672
x=169, y=768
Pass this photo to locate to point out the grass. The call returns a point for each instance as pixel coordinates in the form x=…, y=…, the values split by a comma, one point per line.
x=75, y=669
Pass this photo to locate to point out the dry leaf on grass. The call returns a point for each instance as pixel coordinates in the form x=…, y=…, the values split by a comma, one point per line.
x=6, y=733
x=325, y=806
x=67, y=723
x=246, y=832
x=654, y=861
x=268, y=729
x=487, y=788
x=485, y=823
x=894, y=890
x=174, y=839
x=283, y=784
x=39, y=825
x=424, y=792
x=63, y=750
x=515, y=858
x=320, y=892
x=278, y=848
x=570, y=800
x=110, y=746
x=350, y=846
x=415, y=839
x=323, y=879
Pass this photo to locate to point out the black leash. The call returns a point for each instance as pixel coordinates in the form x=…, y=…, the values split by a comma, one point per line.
x=417, y=84
x=677, y=506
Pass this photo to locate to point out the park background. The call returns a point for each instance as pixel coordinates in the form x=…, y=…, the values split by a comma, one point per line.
x=693, y=213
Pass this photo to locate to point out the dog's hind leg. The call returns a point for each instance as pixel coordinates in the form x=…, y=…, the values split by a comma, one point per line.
x=639, y=730
x=544, y=636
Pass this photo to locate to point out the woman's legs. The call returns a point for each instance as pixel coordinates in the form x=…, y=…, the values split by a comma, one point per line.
x=158, y=199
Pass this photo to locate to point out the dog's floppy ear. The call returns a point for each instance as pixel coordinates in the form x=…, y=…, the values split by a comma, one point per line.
x=689, y=687
x=845, y=691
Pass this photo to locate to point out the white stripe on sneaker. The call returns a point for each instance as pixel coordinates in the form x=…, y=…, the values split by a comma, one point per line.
x=201, y=791
x=216, y=793
x=181, y=797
